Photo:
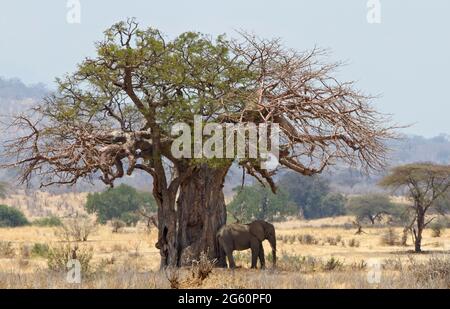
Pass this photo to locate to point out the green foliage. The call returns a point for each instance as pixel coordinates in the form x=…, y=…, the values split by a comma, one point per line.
x=420, y=174
x=442, y=204
x=438, y=227
x=371, y=207
x=183, y=77
x=11, y=217
x=40, y=250
x=312, y=195
x=120, y=202
x=332, y=204
x=258, y=202
x=48, y=221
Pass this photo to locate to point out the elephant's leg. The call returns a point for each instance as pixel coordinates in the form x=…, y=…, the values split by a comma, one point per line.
x=229, y=254
x=231, y=259
x=255, y=251
x=262, y=259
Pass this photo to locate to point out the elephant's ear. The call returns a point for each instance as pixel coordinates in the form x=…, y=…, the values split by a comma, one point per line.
x=257, y=230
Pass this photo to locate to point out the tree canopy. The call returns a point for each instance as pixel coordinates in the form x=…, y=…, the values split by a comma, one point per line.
x=122, y=202
x=371, y=207
x=257, y=202
x=312, y=195
x=11, y=217
x=425, y=184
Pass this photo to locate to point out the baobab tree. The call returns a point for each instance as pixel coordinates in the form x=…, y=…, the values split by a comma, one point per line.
x=425, y=183
x=114, y=115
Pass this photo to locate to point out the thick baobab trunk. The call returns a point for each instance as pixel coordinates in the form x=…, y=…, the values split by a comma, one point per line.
x=201, y=212
x=167, y=238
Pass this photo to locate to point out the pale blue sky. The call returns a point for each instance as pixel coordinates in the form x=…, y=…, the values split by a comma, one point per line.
x=405, y=59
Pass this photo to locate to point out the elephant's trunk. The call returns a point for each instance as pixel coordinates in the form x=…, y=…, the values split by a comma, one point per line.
x=273, y=244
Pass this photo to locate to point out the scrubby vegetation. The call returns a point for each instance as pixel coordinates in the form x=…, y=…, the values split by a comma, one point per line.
x=11, y=217
x=48, y=221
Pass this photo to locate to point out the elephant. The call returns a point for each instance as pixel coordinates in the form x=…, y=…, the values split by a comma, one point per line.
x=244, y=236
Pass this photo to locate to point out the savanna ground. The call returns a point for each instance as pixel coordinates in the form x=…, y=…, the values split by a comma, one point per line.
x=322, y=253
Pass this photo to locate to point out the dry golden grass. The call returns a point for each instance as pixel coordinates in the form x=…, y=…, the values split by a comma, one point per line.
x=129, y=260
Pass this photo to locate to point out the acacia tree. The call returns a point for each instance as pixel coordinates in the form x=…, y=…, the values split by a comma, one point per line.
x=115, y=113
x=426, y=183
x=372, y=207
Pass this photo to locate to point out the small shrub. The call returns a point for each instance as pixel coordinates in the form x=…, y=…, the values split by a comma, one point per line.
x=173, y=276
x=307, y=239
x=7, y=249
x=332, y=241
x=353, y=243
x=299, y=263
x=393, y=264
x=77, y=229
x=333, y=264
x=40, y=250
x=58, y=257
x=11, y=217
x=361, y=265
x=291, y=239
x=437, y=228
x=48, y=221
x=202, y=268
x=389, y=238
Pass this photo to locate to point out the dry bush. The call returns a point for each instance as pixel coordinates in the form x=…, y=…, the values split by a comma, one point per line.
x=202, y=268
x=333, y=264
x=432, y=271
x=332, y=241
x=353, y=243
x=358, y=266
x=7, y=249
x=297, y=263
x=77, y=229
x=389, y=238
x=58, y=257
x=437, y=228
x=393, y=264
x=173, y=276
x=307, y=239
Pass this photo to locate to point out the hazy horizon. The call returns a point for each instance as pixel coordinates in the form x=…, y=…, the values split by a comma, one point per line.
x=404, y=59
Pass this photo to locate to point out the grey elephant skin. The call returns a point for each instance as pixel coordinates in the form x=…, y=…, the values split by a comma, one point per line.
x=240, y=237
